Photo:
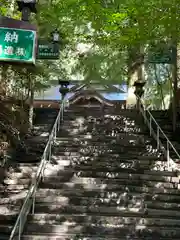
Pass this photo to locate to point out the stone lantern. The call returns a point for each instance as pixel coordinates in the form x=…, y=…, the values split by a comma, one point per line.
x=26, y=7
x=63, y=88
x=139, y=91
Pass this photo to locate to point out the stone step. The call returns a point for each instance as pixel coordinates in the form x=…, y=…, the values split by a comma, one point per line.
x=123, y=201
x=13, y=198
x=54, y=172
x=90, y=151
x=104, y=119
x=121, y=159
x=12, y=177
x=35, y=141
x=151, y=157
x=136, y=183
x=82, y=236
x=97, y=111
x=9, y=210
x=45, y=115
x=4, y=236
x=123, y=231
x=109, y=134
x=40, y=140
x=100, y=140
x=99, y=125
x=126, y=179
x=105, y=125
x=102, y=147
x=95, y=138
x=98, y=117
x=132, y=154
x=104, y=173
x=5, y=228
x=86, y=190
x=56, y=183
x=16, y=181
x=57, y=169
x=20, y=178
x=26, y=173
x=122, y=171
x=102, y=220
x=8, y=219
x=44, y=118
x=106, y=167
x=109, y=168
x=14, y=187
x=33, y=157
x=111, y=157
x=108, y=197
x=100, y=163
x=83, y=170
x=85, y=134
x=24, y=168
x=99, y=144
x=130, y=211
x=94, y=157
x=9, y=213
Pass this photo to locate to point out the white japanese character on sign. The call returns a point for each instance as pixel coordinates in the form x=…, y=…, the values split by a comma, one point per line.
x=1, y=50
x=9, y=50
x=11, y=37
x=20, y=52
x=8, y=37
x=14, y=37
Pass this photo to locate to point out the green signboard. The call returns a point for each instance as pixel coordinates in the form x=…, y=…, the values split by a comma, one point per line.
x=17, y=45
x=47, y=50
x=161, y=55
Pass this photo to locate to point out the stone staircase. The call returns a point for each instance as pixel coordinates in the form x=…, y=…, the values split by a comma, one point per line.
x=106, y=180
x=21, y=169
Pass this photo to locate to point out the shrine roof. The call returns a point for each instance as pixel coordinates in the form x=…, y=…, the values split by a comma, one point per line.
x=53, y=92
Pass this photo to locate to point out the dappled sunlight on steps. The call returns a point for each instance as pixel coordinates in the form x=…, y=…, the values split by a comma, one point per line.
x=105, y=171
x=21, y=170
x=106, y=180
x=164, y=119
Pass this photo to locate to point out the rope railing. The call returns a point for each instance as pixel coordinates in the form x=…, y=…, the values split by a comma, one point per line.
x=29, y=202
x=150, y=120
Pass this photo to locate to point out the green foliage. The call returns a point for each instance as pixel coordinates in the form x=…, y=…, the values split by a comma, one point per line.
x=108, y=28
x=111, y=27
x=158, y=89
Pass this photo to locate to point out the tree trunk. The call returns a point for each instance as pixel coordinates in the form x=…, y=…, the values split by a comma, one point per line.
x=135, y=73
x=174, y=80
x=31, y=104
x=3, y=84
x=159, y=85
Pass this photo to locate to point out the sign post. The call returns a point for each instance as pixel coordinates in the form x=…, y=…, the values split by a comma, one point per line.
x=17, y=45
x=161, y=54
x=47, y=50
